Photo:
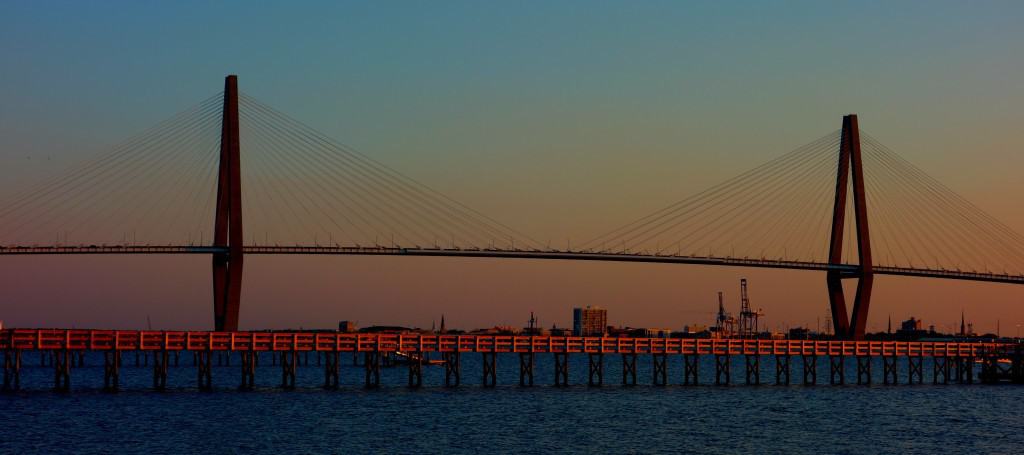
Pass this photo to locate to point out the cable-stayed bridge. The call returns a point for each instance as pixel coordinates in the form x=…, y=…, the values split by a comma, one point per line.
x=843, y=204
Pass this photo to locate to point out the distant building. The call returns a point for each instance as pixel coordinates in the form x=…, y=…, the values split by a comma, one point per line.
x=589, y=322
x=387, y=329
x=496, y=330
x=694, y=329
x=911, y=324
x=560, y=331
x=911, y=329
x=799, y=333
x=347, y=326
x=657, y=333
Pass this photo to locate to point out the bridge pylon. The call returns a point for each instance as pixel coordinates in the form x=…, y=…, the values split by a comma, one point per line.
x=850, y=166
x=227, y=267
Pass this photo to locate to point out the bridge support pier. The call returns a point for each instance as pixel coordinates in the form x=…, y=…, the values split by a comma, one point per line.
x=452, y=369
x=12, y=369
x=595, y=376
x=628, y=369
x=889, y=375
x=753, y=369
x=915, y=368
x=722, y=364
x=526, y=364
x=204, y=370
x=490, y=378
x=561, y=369
x=863, y=370
x=810, y=369
x=659, y=364
x=62, y=370
x=248, y=371
x=837, y=369
x=160, y=370
x=332, y=363
x=371, y=366
x=691, y=365
x=782, y=369
x=415, y=370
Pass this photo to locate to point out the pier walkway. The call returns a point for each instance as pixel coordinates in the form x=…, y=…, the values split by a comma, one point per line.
x=951, y=361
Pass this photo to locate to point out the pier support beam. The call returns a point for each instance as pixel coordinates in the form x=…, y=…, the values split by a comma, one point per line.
x=248, y=381
x=691, y=366
x=526, y=364
x=289, y=366
x=595, y=376
x=810, y=369
x=371, y=366
x=628, y=369
x=12, y=369
x=160, y=359
x=782, y=370
x=915, y=368
x=940, y=367
x=837, y=369
x=722, y=365
x=62, y=370
x=659, y=369
x=416, y=370
x=111, y=370
x=561, y=369
x=452, y=369
x=863, y=370
x=889, y=374
x=204, y=370
x=965, y=370
x=332, y=369
x=753, y=369
x=490, y=369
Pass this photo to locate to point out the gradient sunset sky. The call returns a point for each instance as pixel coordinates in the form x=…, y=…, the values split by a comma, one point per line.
x=563, y=119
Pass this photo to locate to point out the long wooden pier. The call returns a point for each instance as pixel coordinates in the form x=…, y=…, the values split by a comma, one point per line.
x=951, y=361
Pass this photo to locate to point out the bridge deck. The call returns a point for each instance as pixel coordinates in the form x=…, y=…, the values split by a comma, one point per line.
x=119, y=340
x=519, y=254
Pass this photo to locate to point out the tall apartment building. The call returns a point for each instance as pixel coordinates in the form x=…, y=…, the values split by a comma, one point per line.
x=589, y=322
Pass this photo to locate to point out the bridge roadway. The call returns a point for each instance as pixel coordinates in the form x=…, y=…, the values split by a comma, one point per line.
x=851, y=269
x=951, y=361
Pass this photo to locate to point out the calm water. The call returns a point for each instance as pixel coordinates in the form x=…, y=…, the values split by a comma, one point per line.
x=974, y=419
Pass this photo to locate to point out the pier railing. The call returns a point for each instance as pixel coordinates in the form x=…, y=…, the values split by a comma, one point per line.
x=134, y=340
